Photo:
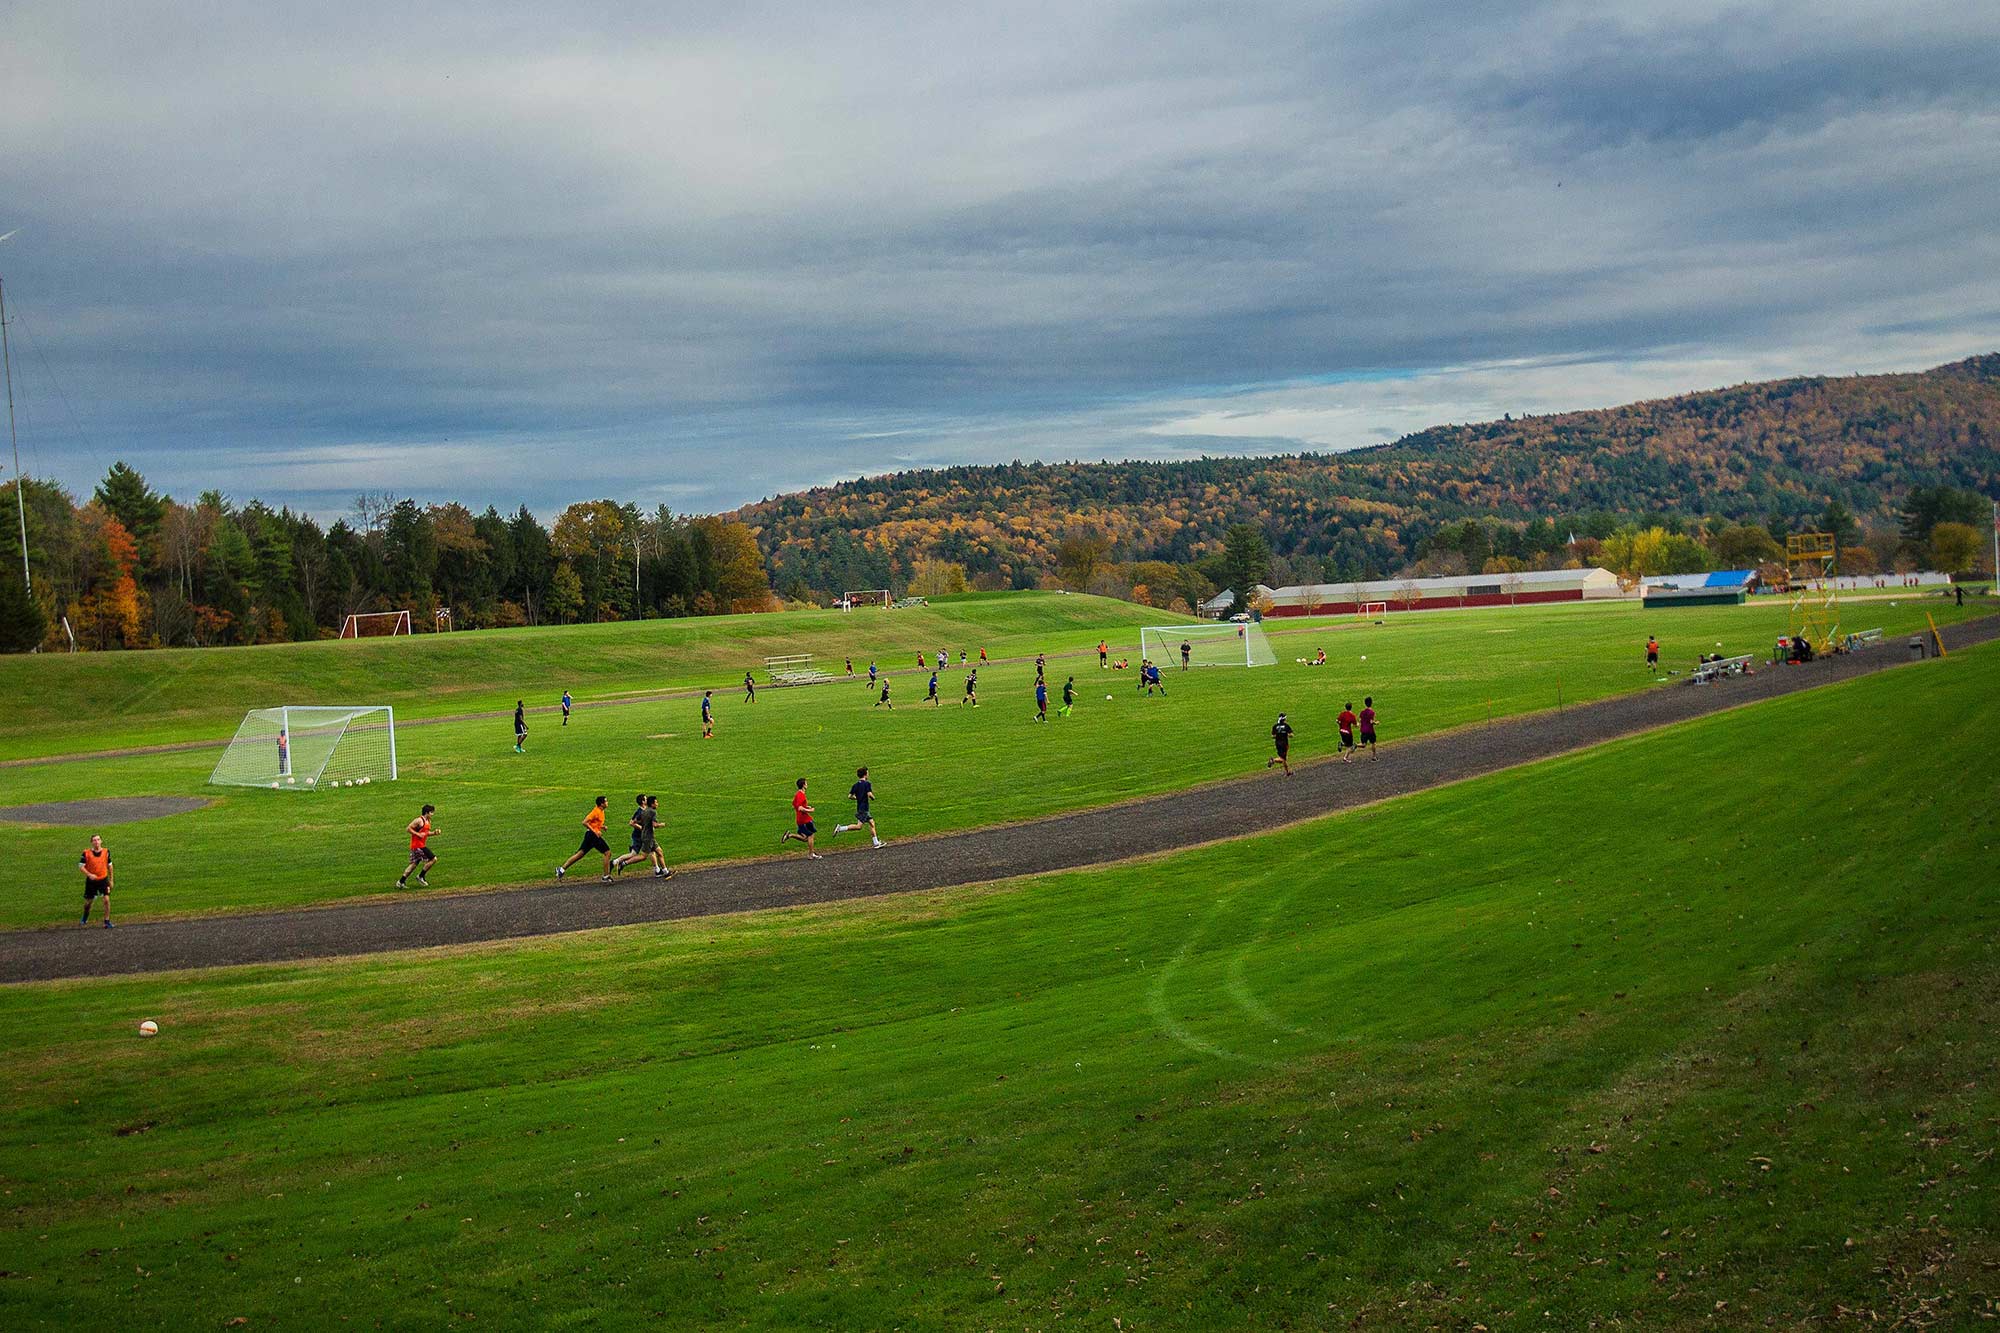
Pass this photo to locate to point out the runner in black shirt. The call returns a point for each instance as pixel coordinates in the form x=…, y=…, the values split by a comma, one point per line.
x=1281, y=736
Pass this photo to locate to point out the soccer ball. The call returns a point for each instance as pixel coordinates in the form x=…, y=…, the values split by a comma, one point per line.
x=1364, y=657
x=289, y=781
x=275, y=786
x=1107, y=698
x=149, y=1029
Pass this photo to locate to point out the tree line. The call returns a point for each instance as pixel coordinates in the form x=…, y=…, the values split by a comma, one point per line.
x=132, y=568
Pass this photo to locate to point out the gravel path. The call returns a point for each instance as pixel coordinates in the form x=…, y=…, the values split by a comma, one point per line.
x=101, y=810
x=1061, y=842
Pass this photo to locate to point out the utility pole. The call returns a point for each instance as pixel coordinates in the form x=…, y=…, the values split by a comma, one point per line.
x=20, y=482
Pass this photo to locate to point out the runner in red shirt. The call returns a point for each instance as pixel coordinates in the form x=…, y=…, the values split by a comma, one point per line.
x=1368, y=725
x=803, y=827
x=1347, y=720
x=422, y=858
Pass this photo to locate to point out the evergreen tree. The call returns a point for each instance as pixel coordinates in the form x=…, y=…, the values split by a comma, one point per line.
x=22, y=623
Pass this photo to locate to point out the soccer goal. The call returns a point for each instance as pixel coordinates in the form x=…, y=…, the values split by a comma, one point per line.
x=1226, y=644
x=375, y=624
x=1372, y=613
x=865, y=597
x=306, y=747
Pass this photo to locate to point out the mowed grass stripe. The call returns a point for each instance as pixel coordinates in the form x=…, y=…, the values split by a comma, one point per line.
x=1661, y=1033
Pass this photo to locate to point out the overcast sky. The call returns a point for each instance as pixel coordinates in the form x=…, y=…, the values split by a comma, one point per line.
x=704, y=253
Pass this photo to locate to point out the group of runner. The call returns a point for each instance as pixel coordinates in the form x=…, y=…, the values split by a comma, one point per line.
x=1357, y=732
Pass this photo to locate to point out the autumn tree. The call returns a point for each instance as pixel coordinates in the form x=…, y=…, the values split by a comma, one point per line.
x=1955, y=547
x=936, y=578
x=1246, y=558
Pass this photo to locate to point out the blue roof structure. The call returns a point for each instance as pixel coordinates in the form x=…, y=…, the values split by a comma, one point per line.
x=1720, y=579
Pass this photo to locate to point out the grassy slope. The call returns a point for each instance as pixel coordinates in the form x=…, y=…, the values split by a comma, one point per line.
x=510, y=819
x=1431, y=1063
x=148, y=698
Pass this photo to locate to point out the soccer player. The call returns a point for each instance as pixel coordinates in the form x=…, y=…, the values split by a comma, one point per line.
x=284, y=754
x=593, y=840
x=1368, y=725
x=708, y=715
x=520, y=727
x=971, y=695
x=661, y=870
x=1069, y=696
x=861, y=793
x=1281, y=736
x=567, y=701
x=422, y=858
x=1041, y=662
x=1652, y=653
x=1103, y=654
x=1346, y=722
x=1187, y=651
x=982, y=655
x=882, y=701
x=803, y=827
x=95, y=863
x=1041, y=700
x=871, y=673
x=944, y=659
x=932, y=697
x=749, y=688
x=850, y=666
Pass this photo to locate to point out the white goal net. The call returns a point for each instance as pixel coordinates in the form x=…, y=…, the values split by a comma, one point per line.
x=865, y=597
x=306, y=747
x=1226, y=644
x=377, y=624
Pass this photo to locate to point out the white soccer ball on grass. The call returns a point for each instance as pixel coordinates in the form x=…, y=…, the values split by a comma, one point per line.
x=149, y=1028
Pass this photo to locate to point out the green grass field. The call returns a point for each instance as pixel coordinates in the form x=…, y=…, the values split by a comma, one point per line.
x=508, y=819
x=1692, y=1030
x=65, y=703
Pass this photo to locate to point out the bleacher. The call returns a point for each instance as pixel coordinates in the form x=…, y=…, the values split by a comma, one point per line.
x=1708, y=673
x=905, y=603
x=1867, y=638
x=794, y=669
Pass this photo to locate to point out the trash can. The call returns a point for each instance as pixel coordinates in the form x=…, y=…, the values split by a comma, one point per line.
x=1916, y=645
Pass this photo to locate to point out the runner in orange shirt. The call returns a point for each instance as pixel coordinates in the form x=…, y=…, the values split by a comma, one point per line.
x=593, y=841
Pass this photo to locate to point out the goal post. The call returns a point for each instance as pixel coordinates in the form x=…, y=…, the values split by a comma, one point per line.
x=303, y=747
x=375, y=624
x=1372, y=613
x=864, y=597
x=1230, y=643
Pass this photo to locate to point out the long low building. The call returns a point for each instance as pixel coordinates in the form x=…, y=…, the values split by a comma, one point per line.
x=1542, y=585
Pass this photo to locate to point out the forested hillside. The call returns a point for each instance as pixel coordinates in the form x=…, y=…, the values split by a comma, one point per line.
x=1774, y=454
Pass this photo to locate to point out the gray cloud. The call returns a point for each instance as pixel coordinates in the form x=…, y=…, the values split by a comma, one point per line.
x=715, y=252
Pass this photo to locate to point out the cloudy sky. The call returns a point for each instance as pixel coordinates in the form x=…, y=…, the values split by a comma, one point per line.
x=701, y=253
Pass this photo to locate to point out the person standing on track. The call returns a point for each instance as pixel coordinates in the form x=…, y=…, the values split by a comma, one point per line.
x=749, y=688
x=708, y=715
x=520, y=727
x=593, y=840
x=1069, y=697
x=1041, y=700
x=803, y=827
x=861, y=793
x=566, y=702
x=422, y=858
x=1368, y=725
x=1281, y=737
x=95, y=863
x=1346, y=722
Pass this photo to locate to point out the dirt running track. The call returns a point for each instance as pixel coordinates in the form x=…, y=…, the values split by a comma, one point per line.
x=1061, y=842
